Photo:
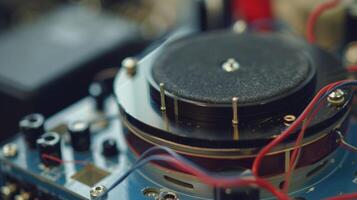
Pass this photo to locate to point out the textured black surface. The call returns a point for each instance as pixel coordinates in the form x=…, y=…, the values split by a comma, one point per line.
x=270, y=66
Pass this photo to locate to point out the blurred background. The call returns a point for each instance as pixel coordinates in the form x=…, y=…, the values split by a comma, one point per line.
x=51, y=51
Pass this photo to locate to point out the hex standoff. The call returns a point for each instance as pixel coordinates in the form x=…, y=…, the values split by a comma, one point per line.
x=130, y=64
x=235, y=110
x=162, y=95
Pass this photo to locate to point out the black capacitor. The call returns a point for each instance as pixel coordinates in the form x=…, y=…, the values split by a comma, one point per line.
x=80, y=135
x=110, y=147
x=99, y=91
x=242, y=193
x=49, y=147
x=32, y=127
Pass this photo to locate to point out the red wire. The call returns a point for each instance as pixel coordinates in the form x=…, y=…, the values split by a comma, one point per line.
x=290, y=129
x=352, y=68
x=202, y=176
x=221, y=182
x=60, y=161
x=315, y=14
x=297, y=149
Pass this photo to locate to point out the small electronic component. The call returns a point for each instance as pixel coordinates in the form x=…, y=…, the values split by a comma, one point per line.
x=49, y=145
x=80, y=135
x=110, y=147
x=99, y=92
x=32, y=127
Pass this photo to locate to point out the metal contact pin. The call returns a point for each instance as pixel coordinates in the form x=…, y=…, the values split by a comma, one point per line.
x=235, y=110
x=162, y=95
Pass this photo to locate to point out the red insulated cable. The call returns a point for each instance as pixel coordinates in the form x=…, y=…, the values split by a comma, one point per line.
x=344, y=197
x=352, y=68
x=224, y=182
x=60, y=161
x=290, y=129
x=313, y=17
x=297, y=149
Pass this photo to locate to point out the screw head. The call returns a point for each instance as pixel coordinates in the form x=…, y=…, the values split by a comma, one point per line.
x=166, y=195
x=97, y=192
x=130, y=65
x=10, y=150
x=230, y=65
x=151, y=192
x=336, y=97
x=240, y=26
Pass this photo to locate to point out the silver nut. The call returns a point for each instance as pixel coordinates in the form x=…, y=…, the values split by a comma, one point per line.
x=166, y=195
x=230, y=65
x=9, y=150
x=151, y=192
x=97, y=192
x=130, y=64
x=336, y=97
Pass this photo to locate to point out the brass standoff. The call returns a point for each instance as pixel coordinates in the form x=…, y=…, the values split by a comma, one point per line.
x=336, y=98
x=235, y=110
x=289, y=119
x=130, y=64
x=287, y=160
x=162, y=95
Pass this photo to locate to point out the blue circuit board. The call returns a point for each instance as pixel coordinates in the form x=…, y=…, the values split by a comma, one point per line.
x=59, y=183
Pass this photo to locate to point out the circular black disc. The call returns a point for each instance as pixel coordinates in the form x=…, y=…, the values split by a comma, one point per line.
x=266, y=68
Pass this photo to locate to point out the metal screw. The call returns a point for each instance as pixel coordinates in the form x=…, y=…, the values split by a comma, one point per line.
x=97, y=192
x=336, y=97
x=151, y=192
x=228, y=191
x=130, y=64
x=289, y=119
x=230, y=65
x=10, y=150
x=166, y=195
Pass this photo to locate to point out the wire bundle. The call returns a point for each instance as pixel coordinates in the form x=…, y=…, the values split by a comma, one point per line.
x=206, y=177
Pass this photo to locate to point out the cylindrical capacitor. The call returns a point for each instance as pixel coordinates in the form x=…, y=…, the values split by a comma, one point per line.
x=32, y=127
x=49, y=147
x=80, y=135
x=110, y=147
x=99, y=91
